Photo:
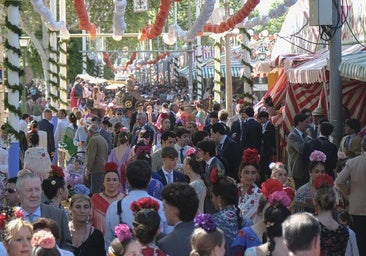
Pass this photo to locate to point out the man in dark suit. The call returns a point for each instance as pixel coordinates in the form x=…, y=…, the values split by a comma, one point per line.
x=323, y=144
x=295, y=148
x=228, y=151
x=237, y=129
x=167, y=174
x=252, y=137
x=46, y=125
x=139, y=109
x=29, y=191
x=180, y=207
x=268, y=145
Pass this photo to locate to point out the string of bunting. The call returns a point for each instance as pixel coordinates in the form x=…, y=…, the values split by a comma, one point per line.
x=108, y=62
x=84, y=23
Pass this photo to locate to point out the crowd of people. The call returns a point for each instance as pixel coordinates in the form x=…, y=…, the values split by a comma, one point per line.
x=167, y=181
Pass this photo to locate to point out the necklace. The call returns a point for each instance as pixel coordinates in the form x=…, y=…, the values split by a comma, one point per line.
x=111, y=197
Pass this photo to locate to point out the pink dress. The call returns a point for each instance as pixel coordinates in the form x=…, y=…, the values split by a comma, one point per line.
x=122, y=165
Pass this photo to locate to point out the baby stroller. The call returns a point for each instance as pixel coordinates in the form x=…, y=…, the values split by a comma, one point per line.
x=74, y=171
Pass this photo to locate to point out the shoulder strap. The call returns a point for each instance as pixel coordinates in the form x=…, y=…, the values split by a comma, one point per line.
x=119, y=210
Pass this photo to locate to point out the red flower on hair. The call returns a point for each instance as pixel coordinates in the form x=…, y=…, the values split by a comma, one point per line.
x=110, y=167
x=270, y=186
x=241, y=101
x=144, y=203
x=241, y=233
x=250, y=156
x=323, y=180
x=57, y=171
x=164, y=116
x=2, y=220
x=290, y=192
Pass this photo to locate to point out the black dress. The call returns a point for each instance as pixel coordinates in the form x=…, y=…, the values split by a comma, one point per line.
x=93, y=246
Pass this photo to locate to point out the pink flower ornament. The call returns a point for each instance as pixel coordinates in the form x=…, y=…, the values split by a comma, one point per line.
x=279, y=197
x=191, y=152
x=122, y=232
x=317, y=156
x=44, y=239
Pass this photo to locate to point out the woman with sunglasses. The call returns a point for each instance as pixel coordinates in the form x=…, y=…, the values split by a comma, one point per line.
x=11, y=198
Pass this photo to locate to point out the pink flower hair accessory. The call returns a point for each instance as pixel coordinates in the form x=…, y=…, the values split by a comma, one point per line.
x=191, y=152
x=122, y=232
x=280, y=197
x=44, y=239
x=317, y=156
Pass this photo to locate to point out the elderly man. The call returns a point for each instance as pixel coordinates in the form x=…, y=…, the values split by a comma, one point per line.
x=29, y=191
x=96, y=157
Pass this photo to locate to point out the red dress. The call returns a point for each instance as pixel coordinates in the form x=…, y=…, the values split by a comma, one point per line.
x=73, y=100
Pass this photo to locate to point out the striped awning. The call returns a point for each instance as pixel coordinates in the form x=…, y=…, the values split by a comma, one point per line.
x=354, y=66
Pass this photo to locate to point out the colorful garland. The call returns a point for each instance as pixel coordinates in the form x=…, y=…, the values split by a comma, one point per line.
x=119, y=24
x=108, y=62
x=84, y=23
x=230, y=23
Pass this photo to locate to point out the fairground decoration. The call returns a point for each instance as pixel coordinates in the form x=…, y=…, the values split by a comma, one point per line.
x=119, y=24
x=140, y=5
x=152, y=31
x=130, y=61
x=49, y=21
x=84, y=23
x=230, y=23
x=108, y=62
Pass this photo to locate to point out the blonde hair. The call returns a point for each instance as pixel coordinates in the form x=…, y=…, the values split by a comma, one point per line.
x=13, y=227
x=275, y=167
x=203, y=242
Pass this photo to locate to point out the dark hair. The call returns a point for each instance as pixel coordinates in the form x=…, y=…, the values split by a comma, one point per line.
x=312, y=165
x=123, y=137
x=169, y=152
x=326, y=129
x=353, y=124
x=138, y=174
x=182, y=196
x=12, y=180
x=43, y=223
x=263, y=114
x=198, y=137
x=196, y=165
x=25, y=116
x=216, y=107
x=34, y=138
x=306, y=110
x=299, y=231
x=181, y=131
x=299, y=118
x=249, y=111
x=73, y=120
x=225, y=188
x=213, y=114
x=166, y=135
x=146, y=225
x=51, y=185
x=34, y=125
x=219, y=127
x=40, y=251
x=274, y=216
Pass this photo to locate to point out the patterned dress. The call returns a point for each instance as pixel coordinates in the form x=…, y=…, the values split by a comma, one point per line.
x=151, y=250
x=246, y=238
x=333, y=242
x=248, y=200
x=304, y=198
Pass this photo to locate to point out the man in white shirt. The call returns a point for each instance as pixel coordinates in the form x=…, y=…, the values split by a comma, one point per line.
x=138, y=177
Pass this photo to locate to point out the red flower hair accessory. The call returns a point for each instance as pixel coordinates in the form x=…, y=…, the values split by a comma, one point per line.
x=270, y=186
x=57, y=171
x=9, y=213
x=241, y=101
x=250, y=156
x=323, y=180
x=144, y=203
x=290, y=192
x=146, y=149
x=110, y=167
x=164, y=116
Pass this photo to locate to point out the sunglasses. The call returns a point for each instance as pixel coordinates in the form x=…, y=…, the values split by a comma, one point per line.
x=118, y=114
x=10, y=190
